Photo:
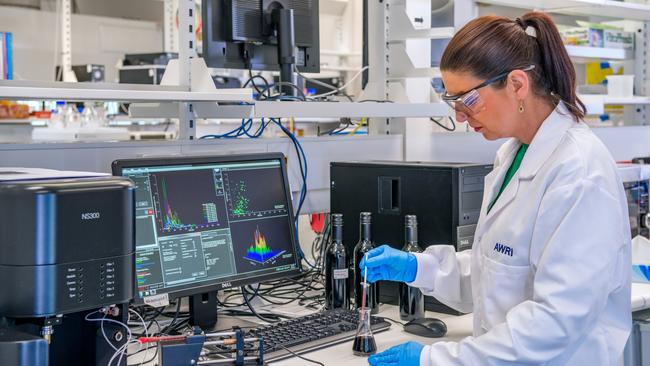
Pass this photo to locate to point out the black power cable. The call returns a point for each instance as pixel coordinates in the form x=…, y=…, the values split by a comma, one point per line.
x=439, y=123
x=394, y=321
x=302, y=357
x=251, y=81
x=244, y=294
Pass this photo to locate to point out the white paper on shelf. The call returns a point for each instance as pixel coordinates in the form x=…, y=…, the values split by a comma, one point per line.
x=640, y=296
x=14, y=174
x=595, y=103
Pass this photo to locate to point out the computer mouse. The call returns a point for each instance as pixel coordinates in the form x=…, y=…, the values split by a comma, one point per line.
x=426, y=327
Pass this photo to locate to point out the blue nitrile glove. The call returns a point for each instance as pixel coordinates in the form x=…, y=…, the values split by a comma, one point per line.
x=386, y=263
x=405, y=354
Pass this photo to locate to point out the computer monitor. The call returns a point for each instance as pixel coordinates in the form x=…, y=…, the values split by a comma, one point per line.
x=270, y=35
x=209, y=223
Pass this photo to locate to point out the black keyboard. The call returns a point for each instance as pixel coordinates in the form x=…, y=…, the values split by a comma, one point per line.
x=312, y=332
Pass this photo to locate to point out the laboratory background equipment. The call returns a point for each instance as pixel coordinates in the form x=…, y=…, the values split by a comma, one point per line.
x=92, y=73
x=209, y=223
x=145, y=68
x=275, y=35
x=231, y=347
x=66, y=251
x=446, y=198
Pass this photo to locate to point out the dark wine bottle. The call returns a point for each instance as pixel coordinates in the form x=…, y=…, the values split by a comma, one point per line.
x=411, y=299
x=336, y=269
x=364, y=246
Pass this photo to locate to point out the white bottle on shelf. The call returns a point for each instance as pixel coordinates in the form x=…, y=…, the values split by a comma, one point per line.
x=57, y=120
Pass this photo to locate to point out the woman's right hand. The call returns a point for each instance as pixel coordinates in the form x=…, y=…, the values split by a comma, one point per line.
x=388, y=264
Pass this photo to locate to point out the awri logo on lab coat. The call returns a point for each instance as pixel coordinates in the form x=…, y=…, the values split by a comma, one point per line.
x=503, y=249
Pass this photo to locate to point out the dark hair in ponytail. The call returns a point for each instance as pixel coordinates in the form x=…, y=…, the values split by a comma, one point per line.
x=491, y=45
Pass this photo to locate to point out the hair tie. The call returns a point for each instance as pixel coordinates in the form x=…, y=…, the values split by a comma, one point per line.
x=530, y=30
x=521, y=23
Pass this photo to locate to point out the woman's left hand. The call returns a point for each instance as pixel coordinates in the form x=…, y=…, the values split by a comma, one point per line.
x=407, y=354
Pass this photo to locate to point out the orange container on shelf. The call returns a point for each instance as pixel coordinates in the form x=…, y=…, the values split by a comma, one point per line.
x=13, y=110
x=43, y=114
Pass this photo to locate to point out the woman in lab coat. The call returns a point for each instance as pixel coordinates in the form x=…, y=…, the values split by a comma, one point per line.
x=548, y=276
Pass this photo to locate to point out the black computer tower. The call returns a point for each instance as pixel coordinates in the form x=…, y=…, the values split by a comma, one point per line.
x=85, y=73
x=446, y=197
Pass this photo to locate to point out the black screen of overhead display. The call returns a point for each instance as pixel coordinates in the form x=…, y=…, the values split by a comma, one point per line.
x=207, y=224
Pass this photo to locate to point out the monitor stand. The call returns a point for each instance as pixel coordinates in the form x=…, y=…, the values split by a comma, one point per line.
x=283, y=19
x=203, y=310
x=203, y=313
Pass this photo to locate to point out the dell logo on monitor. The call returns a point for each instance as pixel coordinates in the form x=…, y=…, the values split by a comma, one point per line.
x=90, y=216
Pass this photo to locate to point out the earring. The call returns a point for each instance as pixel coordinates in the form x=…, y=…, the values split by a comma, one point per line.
x=521, y=107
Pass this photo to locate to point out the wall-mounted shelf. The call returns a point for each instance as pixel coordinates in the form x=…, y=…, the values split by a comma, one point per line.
x=599, y=8
x=586, y=54
x=596, y=103
x=351, y=110
x=339, y=53
x=23, y=90
x=6, y=122
x=635, y=100
x=339, y=68
x=312, y=110
x=399, y=34
x=606, y=99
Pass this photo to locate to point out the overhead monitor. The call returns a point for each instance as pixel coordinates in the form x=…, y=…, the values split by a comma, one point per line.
x=270, y=35
x=210, y=223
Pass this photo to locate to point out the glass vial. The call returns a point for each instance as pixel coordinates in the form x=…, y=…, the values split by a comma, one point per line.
x=364, y=246
x=364, y=341
x=411, y=299
x=336, y=269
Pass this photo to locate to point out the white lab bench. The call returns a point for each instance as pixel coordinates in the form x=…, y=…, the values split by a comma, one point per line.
x=458, y=327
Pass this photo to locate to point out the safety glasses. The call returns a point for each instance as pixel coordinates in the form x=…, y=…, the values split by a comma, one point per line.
x=470, y=102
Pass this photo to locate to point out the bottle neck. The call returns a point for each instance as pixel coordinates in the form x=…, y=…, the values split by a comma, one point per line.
x=337, y=234
x=364, y=232
x=412, y=248
x=411, y=237
x=411, y=234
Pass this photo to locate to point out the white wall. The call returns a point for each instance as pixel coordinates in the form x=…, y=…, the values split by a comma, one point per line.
x=462, y=147
x=99, y=40
x=341, y=32
x=626, y=143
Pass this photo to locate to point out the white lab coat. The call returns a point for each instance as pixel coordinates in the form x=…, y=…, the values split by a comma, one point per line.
x=548, y=277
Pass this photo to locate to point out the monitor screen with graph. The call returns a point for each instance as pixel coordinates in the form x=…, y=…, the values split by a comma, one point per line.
x=208, y=223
